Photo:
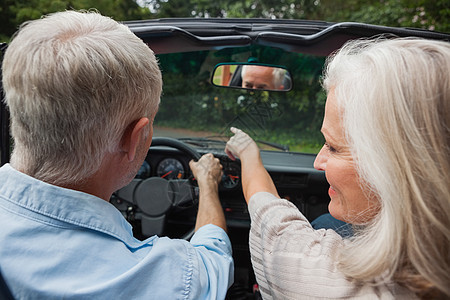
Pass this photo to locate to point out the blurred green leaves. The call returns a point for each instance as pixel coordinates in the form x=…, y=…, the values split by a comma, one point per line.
x=189, y=100
x=426, y=14
x=294, y=118
x=15, y=12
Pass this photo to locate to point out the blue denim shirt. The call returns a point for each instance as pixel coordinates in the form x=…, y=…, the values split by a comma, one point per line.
x=59, y=243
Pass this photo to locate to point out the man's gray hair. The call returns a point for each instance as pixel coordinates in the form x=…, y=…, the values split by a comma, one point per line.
x=278, y=74
x=73, y=82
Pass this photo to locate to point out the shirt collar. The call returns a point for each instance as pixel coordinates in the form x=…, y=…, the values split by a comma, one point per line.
x=65, y=205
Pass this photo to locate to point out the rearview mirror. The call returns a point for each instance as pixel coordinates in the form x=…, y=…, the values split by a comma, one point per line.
x=252, y=76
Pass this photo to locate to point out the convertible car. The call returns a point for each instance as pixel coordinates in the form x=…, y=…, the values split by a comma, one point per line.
x=205, y=63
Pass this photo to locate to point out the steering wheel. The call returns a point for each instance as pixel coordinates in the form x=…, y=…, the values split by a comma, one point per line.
x=155, y=197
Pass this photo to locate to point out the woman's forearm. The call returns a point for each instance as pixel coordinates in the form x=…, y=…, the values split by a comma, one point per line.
x=255, y=177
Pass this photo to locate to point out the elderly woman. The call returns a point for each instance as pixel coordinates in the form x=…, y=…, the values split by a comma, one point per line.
x=387, y=159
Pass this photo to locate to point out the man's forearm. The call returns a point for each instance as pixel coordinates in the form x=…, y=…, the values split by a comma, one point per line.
x=209, y=209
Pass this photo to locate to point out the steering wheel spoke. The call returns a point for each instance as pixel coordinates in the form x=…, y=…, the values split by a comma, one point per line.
x=153, y=225
x=183, y=193
x=126, y=193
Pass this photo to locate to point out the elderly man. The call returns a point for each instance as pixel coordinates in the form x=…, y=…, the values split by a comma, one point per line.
x=83, y=91
x=262, y=77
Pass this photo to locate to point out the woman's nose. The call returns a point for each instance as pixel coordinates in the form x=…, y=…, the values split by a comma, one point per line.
x=320, y=163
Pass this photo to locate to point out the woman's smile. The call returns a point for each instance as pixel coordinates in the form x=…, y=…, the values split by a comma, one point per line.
x=349, y=202
x=331, y=191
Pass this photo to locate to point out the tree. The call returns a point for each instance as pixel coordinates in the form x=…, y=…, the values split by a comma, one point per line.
x=426, y=14
x=15, y=12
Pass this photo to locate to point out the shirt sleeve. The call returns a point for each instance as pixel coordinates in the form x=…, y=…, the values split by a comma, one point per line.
x=213, y=249
x=291, y=260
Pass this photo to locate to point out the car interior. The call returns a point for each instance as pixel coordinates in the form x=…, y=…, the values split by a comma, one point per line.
x=201, y=62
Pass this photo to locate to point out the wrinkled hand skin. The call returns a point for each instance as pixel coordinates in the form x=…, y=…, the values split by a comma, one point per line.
x=240, y=145
x=207, y=170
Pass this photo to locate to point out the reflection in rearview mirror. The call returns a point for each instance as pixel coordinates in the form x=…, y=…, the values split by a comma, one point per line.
x=252, y=76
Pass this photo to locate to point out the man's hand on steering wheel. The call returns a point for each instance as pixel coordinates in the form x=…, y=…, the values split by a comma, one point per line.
x=207, y=170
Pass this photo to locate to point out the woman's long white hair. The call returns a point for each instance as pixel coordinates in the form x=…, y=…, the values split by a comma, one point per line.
x=395, y=101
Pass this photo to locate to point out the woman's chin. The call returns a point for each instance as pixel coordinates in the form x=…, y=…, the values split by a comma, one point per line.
x=335, y=210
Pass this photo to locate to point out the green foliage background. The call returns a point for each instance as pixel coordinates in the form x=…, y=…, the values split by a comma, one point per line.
x=426, y=14
x=295, y=116
x=292, y=119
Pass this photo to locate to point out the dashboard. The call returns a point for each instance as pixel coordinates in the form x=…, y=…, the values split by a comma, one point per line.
x=170, y=163
x=293, y=174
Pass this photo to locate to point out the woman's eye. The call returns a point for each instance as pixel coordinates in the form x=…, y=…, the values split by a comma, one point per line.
x=330, y=148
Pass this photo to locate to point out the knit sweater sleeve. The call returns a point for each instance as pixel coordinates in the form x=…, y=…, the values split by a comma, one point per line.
x=291, y=260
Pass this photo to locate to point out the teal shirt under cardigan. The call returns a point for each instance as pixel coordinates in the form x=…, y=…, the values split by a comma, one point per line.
x=59, y=243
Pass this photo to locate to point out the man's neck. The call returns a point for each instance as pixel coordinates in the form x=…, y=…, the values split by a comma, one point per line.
x=103, y=182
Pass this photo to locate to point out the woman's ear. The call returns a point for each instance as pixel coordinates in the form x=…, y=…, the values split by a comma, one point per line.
x=132, y=137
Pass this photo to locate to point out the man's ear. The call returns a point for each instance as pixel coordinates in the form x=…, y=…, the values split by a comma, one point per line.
x=132, y=137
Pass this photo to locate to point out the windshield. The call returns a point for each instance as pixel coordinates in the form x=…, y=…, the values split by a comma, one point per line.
x=191, y=107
